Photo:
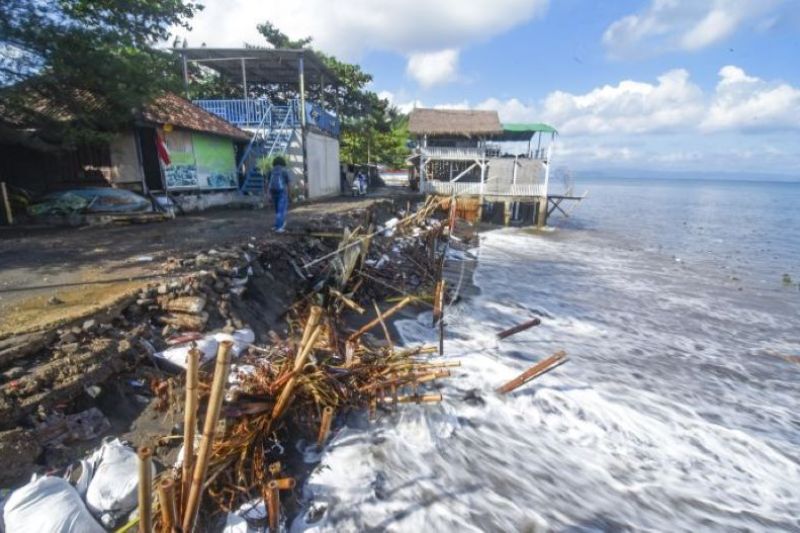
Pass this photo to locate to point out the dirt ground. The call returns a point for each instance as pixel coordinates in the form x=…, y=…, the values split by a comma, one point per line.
x=70, y=362
x=51, y=275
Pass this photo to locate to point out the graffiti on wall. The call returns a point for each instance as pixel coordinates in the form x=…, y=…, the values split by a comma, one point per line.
x=199, y=161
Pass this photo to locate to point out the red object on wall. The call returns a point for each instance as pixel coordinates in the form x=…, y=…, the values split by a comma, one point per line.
x=161, y=148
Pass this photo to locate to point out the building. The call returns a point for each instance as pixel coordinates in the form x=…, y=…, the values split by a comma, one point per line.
x=294, y=121
x=172, y=146
x=502, y=170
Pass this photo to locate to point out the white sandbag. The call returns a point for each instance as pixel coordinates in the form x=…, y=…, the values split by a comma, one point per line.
x=208, y=345
x=112, y=490
x=48, y=505
x=237, y=522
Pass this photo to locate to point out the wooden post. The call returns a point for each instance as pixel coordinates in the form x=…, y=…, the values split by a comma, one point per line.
x=166, y=501
x=145, y=490
x=6, y=203
x=209, y=432
x=189, y=422
x=541, y=215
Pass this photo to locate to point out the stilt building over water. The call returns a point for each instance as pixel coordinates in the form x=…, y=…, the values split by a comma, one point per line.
x=497, y=172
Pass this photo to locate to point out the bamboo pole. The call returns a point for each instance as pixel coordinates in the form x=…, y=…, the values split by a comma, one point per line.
x=189, y=422
x=347, y=301
x=145, y=489
x=286, y=393
x=519, y=327
x=389, y=342
x=438, y=292
x=286, y=483
x=534, y=372
x=325, y=425
x=166, y=502
x=313, y=320
x=389, y=312
x=209, y=430
x=273, y=501
x=416, y=398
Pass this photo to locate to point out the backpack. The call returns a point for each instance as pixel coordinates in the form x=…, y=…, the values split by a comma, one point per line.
x=278, y=179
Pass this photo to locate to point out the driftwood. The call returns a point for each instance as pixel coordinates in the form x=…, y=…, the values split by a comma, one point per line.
x=534, y=372
x=519, y=327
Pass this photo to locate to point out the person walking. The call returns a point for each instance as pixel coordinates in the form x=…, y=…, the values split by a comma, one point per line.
x=279, y=190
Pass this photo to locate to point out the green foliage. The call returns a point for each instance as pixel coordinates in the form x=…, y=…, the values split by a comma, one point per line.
x=372, y=130
x=278, y=39
x=75, y=69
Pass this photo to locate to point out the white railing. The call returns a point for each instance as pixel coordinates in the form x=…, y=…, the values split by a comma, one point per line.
x=451, y=153
x=449, y=188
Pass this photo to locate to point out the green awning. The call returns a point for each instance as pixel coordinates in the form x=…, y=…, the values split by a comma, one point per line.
x=524, y=131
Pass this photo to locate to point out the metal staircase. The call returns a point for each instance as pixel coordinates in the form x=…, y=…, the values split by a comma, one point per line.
x=271, y=138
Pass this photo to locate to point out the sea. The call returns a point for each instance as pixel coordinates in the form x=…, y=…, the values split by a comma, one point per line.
x=677, y=302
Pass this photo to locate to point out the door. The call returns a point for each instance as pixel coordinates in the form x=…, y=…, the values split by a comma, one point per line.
x=153, y=176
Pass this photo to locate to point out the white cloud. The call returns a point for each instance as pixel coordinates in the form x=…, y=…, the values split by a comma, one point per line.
x=511, y=110
x=433, y=68
x=628, y=107
x=350, y=28
x=743, y=102
x=683, y=25
x=674, y=104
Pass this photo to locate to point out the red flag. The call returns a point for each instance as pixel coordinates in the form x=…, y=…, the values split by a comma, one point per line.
x=161, y=148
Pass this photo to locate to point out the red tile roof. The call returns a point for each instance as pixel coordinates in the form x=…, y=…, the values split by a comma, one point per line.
x=172, y=109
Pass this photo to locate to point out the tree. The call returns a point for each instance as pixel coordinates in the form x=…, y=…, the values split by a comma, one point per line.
x=372, y=130
x=75, y=69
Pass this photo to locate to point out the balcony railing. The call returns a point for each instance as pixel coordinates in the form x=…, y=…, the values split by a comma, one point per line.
x=253, y=113
x=489, y=188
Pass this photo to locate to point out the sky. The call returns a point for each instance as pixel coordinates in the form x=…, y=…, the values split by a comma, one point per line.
x=676, y=85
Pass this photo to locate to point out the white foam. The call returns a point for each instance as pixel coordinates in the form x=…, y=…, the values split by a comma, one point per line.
x=660, y=420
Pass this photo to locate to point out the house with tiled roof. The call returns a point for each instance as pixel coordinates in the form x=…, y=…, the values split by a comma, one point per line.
x=172, y=146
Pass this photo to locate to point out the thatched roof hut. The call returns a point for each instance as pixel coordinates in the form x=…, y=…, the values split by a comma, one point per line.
x=466, y=122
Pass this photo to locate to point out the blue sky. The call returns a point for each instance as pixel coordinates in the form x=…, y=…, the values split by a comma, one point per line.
x=687, y=85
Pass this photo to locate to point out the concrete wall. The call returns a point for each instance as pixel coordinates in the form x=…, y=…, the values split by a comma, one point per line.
x=200, y=201
x=323, y=165
x=126, y=167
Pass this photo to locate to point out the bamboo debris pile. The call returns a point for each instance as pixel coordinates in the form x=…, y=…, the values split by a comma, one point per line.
x=294, y=387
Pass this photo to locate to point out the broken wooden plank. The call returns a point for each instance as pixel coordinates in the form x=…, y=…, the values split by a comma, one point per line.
x=534, y=372
x=519, y=327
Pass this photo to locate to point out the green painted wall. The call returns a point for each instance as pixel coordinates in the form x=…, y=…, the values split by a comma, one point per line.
x=216, y=161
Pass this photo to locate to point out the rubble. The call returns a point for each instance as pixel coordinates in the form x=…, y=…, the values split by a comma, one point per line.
x=307, y=323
